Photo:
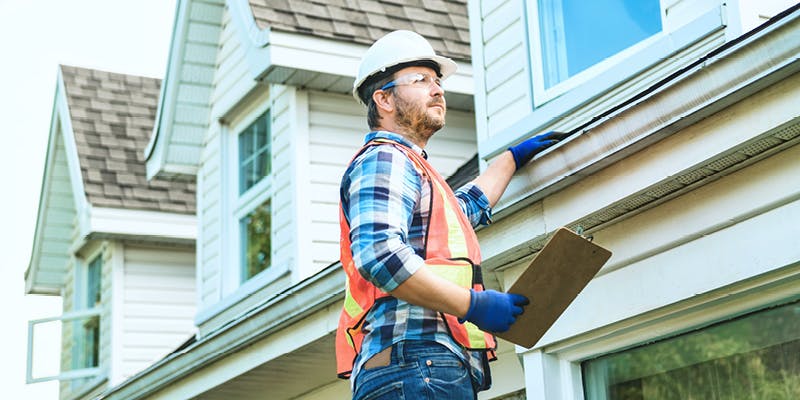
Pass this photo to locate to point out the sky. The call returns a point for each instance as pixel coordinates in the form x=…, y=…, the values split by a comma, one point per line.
x=125, y=36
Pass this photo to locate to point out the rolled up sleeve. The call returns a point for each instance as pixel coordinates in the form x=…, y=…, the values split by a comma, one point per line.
x=475, y=204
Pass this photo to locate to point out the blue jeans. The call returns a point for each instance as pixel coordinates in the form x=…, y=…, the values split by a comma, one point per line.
x=417, y=370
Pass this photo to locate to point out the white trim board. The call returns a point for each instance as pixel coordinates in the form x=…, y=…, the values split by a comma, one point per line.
x=115, y=221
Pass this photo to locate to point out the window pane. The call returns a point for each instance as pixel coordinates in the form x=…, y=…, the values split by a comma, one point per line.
x=576, y=35
x=94, y=282
x=254, y=144
x=255, y=234
x=753, y=357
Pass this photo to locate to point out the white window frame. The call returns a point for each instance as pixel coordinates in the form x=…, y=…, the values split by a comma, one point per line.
x=554, y=372
x=80, y=313
x=679, y=33
x=234, y=289
x=541, y=94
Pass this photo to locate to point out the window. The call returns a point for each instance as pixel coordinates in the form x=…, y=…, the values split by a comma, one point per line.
x=254, y=153
x=80, y=327
x=576, y=35
x=574, y=41
x=606, y=42
x=86, y=353
x=752, y=357
x=255, y=234
x=253, y=211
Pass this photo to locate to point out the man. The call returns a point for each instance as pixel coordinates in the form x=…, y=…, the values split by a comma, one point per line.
x=415, y=316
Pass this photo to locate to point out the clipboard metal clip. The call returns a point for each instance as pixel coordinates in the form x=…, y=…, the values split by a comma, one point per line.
x=579, y=232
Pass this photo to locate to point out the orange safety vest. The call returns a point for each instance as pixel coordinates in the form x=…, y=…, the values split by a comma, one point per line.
x=451, y=252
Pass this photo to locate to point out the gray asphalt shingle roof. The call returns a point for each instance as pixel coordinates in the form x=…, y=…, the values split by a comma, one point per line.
x=443, y=22
x=112, y=118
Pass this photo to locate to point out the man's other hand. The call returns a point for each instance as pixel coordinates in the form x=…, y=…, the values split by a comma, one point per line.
x=494, y=311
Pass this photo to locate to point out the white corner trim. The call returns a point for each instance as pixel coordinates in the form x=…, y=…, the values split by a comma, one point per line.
x=117, y=221
x=115, y=368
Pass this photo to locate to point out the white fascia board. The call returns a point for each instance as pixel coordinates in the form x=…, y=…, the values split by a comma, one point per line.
x=269, y=48
x=155, y=153
x=60, y=117
x=132, y=223
x=335, y=57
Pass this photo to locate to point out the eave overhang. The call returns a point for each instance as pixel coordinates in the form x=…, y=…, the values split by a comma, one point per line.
x=318, y=63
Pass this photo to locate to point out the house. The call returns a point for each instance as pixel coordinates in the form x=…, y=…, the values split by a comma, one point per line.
x=117, y=248
x=682, y=159
x=256, y=107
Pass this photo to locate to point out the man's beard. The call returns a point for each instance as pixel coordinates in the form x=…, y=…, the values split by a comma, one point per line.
x=415, y=118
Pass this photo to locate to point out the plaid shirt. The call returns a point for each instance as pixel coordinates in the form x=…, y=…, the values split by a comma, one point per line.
x=386, y=204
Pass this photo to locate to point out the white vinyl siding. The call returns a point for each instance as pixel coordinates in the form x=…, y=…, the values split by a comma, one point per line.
x=230, y=72
x=159, y=305
x=506, y=78
x=283, y=222
x=337, y=127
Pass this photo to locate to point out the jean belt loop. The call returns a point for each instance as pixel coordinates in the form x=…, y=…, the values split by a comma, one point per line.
x=398, y=352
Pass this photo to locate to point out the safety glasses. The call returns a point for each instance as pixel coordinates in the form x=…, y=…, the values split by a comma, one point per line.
x=414, y=79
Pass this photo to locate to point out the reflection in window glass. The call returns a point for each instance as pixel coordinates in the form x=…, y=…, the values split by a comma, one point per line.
x=255, y=234
x=87, y=347
x=753, y=357
x=254, y=153
x=576, y=35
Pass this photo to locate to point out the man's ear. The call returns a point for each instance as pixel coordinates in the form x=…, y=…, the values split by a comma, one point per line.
x=383, y=100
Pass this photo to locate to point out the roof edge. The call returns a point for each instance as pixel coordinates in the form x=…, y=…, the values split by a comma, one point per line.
x=60, y=129
x=154, y=154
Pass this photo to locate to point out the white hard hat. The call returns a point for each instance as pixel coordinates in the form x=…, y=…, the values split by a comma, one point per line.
x=396, y=48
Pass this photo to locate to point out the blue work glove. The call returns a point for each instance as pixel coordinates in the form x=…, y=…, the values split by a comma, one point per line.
x=524, y=151
x=494, y=311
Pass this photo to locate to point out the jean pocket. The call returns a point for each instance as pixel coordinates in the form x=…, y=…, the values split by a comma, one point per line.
x=445, y=368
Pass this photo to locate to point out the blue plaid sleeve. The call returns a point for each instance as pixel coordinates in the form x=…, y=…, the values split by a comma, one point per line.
x=475, y=204
x=381, y=189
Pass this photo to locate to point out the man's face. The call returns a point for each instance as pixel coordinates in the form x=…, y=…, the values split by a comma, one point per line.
x=419, y=101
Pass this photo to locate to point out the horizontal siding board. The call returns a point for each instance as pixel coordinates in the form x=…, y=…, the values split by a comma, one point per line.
x=507, y=39
x=205, y=12
x=200, y=53
x=196, y=73
x=506, y=68
x=194, y=94
x=203, y=32
x=507, y=13
x=505, y=95
x=504, y=117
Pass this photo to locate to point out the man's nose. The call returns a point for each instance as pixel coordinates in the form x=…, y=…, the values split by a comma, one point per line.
x=437, y=90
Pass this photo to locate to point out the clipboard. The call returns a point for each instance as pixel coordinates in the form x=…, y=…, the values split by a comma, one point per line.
x=552, y=281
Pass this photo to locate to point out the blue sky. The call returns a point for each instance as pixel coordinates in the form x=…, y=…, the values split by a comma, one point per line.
x=127, y=36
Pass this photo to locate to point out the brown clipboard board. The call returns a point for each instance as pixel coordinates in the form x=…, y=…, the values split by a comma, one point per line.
x=554, y=278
